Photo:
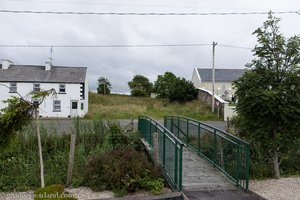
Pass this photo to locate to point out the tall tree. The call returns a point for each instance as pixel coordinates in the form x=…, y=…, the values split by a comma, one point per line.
x=182, y=91
x=269, y=94
x=163, y=84
x=104, y=86
x=140, y=86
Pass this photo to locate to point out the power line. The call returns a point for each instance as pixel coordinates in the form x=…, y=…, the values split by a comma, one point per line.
x=118, y=45
x=104, y=45
x=146, y=13
x=232, y=46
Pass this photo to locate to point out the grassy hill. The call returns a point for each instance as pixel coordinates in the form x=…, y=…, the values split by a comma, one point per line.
x=125, y=107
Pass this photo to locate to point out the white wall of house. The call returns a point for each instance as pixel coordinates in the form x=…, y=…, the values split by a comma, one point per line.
x=46, y=109
x=196, y=79
x=220, y=87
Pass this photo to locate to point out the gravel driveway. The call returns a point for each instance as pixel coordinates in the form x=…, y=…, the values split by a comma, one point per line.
x=277, y=189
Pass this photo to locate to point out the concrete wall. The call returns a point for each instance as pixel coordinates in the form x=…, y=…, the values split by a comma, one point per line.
x=46, y=108
x=206, y=97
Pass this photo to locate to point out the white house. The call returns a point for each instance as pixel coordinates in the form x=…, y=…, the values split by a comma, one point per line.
x=202, y=78
x=70, y=84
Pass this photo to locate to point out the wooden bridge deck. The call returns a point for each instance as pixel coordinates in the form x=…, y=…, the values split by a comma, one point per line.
x=199, y=175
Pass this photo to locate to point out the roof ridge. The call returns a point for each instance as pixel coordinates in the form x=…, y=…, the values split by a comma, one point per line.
x=44, y=66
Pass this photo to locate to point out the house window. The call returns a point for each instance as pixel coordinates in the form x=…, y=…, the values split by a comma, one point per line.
x=35, y=103
x=36, y=87
x=74, y=105
x=81, y=106
x=56, y=106
x=13, y=87
x=62, y=88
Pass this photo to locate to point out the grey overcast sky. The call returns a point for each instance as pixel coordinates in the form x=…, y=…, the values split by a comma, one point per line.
x=119, y=65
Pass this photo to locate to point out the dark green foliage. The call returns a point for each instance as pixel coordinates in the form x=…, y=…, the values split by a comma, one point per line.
x=17, y=114
x=164, y=84
x=140, y=86
x=104, y=86
x=174, y=88
x=139, y=93
x=52, y=192
x=182, y=91
x=121, y=170
x=269, y=97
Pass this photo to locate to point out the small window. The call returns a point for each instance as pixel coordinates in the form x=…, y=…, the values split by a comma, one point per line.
x=56, y=106
x=35, y=103
x=62, y=88
x=81, y=106
x=13, y=87
x=74, y=105
x=36, y=87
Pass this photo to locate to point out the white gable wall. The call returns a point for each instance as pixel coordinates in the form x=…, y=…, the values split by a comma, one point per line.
x=196, y=79
x=46, y=108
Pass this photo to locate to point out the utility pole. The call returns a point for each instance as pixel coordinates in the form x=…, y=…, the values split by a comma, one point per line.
x=213, y=79
x=104, y=87
x=51, y=54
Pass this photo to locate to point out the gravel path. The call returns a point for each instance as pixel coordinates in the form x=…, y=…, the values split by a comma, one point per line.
x=277, y=189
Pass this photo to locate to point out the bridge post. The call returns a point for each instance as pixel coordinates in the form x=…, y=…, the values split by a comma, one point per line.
x=155, y=149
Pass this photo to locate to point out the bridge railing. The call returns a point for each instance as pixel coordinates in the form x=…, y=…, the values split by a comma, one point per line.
x=170, y=149
x=225, y=151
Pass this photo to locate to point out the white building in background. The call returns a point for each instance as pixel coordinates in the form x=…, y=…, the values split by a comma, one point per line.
x=70, y=84
x=202, y=78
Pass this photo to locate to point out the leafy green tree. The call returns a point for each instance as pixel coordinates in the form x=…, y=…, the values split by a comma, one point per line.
x=182, y=91
x=174, y=88
x=268, y=95
x=104, y=86
x=140, y=86
x=163, y=84
x=18, y=113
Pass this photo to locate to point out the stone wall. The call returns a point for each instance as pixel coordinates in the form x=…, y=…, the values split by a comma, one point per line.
x=206, y=97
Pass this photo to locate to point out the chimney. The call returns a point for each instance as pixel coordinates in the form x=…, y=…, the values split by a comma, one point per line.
x=6, y=64
x=48, y=66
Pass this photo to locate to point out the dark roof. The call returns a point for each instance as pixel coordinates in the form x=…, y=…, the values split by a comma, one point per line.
x=34, y=73
x=225, y=75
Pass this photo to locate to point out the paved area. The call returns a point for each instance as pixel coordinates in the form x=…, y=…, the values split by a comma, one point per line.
x=219, y=195
x=66, y=125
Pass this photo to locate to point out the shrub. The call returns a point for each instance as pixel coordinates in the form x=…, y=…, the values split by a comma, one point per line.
x=121, y=170
x=52, y=192
x=139, y=93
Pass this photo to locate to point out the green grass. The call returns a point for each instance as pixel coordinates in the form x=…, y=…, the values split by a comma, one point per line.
x=124, y=107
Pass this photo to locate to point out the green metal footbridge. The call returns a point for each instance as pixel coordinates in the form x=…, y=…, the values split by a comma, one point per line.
x=195, y=155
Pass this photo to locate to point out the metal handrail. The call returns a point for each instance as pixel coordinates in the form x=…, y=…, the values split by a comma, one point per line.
x=162, y=127
x=172, y=168
x=235, y=165
x=219, y=130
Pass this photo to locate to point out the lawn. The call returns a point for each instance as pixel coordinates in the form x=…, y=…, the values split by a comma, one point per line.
x=124, y=107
